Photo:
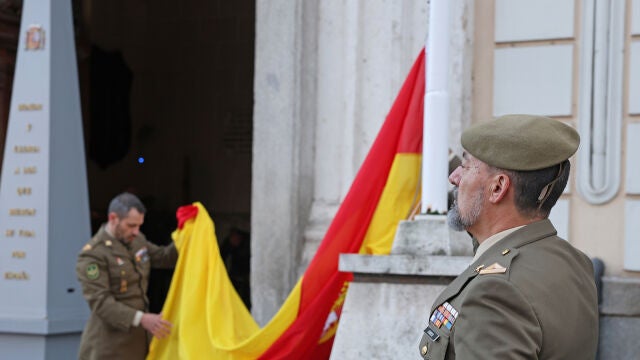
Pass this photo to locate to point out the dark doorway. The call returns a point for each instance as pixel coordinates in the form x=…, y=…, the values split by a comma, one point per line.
x=10, y=11
x=167, y=101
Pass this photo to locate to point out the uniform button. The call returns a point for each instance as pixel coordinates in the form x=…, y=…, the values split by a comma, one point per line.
x=424, y=350
x=505, y=252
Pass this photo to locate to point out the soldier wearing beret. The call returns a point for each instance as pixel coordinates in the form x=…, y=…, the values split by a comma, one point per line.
x=113, y=269
x=528, y=294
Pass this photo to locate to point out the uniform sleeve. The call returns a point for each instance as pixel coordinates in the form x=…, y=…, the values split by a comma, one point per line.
x=162, y=256
x=93, y=274
x=496, y=322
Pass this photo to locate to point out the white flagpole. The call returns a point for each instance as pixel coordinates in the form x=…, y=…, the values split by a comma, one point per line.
x=435, y=146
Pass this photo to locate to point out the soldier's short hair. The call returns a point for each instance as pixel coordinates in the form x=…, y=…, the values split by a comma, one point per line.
x=123, y=203
x=528, y=186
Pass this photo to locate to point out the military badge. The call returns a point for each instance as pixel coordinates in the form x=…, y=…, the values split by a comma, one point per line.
x=142, y=255
x=494, y=268
x=93, y=272
x=444, y=315
x=35, y=38
x=86, y=247
x=431, y=333
x=119, y=261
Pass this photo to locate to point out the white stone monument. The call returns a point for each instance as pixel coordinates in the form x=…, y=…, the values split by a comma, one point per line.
x=44, y=206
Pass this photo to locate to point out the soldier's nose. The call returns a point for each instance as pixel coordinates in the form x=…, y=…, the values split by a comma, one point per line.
x=454, y=178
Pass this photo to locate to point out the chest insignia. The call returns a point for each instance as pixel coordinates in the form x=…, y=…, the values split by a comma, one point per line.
x=444, y=315
x=142, y=255
x=494, y=268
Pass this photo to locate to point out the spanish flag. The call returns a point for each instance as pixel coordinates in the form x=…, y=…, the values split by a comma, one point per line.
x=210, y=321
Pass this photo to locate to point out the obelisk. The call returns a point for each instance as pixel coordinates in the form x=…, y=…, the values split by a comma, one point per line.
x=44, y=206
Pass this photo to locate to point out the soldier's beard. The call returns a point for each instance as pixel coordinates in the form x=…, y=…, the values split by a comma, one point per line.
x=460, y=222
x=119, y=234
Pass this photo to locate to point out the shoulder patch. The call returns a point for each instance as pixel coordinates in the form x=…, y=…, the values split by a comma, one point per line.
x=87, y=247
x=93, y=272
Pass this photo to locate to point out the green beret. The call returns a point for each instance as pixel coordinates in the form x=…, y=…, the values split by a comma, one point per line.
x=521, y=142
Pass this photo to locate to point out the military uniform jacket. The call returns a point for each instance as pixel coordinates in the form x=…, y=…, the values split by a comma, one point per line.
x=114, y=279
x=529, y=296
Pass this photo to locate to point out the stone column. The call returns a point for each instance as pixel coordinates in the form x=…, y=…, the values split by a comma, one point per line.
x=44, y=207
x=282, y=151
x=364, y=52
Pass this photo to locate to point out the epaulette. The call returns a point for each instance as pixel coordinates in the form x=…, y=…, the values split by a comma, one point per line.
x=501, y=266
x=95, y=242
x=494, y=268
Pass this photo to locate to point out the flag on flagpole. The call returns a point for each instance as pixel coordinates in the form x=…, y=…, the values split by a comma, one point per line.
x=211, y=321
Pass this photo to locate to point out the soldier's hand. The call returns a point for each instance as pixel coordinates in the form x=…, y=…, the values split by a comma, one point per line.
x=156, y=325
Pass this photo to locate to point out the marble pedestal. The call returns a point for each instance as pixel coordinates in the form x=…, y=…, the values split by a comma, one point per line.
x=387, y=305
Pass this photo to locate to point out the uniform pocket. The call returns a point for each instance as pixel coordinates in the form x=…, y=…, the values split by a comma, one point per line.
x=115, y=275
x=434, y=343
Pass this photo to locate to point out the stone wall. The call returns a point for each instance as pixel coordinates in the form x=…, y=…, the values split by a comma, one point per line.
x=619, y=318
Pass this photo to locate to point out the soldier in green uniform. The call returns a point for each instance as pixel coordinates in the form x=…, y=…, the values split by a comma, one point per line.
x=113, y=269
x=528, y=294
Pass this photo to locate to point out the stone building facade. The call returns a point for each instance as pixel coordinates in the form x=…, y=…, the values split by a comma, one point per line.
x=265, y=110
x=326, y=73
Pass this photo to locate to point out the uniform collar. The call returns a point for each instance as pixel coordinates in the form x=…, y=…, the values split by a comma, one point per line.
x=505, y=250
x=491, y=240
x=535, y=231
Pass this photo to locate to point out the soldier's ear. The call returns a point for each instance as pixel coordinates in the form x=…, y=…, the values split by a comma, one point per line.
x=113, y=217
x=499, y=187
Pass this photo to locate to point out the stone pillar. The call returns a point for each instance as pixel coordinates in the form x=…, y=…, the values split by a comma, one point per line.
x=44, y=207
x=282, y=152
x=364, y=53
